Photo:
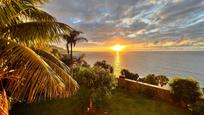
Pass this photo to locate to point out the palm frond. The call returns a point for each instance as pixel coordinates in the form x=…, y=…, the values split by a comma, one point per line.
x=4, y=109
x=64, y=36
x=33, y=78
x=13, y=12
x=33, y=33
x=35, y=1
x=63, y=74
x=59, y=67
x=52, y=58
x=78, y=39
x=33, y=13
x=24, y=1
x=9, y=14
x=81, y=39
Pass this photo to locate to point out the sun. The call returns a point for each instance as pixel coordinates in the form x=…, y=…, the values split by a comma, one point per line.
x=118, y=47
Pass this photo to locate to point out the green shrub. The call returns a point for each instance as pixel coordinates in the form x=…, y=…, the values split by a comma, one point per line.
x=155, y=80
x=150, y=79
x=129, y=75
x=103, y=64
x=162, y=80
x=198, y=109
x=97, y=83
x=185, y=91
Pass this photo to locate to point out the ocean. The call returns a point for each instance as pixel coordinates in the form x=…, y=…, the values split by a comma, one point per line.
x=170, y=63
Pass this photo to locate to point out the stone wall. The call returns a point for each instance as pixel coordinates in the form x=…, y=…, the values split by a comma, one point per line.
x=138, y=87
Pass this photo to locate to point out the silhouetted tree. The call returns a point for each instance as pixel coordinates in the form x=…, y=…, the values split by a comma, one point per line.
x=151, y=79
x=71, y=39
x=103, y=64
x=129, y=75
x=162, y=80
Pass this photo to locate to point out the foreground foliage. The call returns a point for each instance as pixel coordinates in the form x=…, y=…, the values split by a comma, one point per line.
x=27, y=72
x=120, y=103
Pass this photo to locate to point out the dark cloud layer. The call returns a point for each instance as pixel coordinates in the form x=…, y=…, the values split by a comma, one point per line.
x=159, y=22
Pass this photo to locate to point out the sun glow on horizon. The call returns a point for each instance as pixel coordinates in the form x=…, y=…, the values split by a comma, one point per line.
x=118, y=47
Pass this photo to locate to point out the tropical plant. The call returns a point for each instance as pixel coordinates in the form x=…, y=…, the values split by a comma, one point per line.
x=97, y=82
x=185, y=91
x=71, y=39
x=129, y=75
x=26, y=72
x=103, y=64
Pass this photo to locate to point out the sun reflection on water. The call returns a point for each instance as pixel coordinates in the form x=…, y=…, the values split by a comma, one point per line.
x=117, y=64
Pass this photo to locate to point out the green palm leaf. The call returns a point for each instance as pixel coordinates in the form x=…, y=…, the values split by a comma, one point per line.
x=33, y=13
x=30, y=77
x=35, y=32
x=24, y=1
x=52, y=58
x=15, y=12
x=78, y=39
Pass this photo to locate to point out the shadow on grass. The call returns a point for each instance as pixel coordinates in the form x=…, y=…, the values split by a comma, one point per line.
x=121, y=103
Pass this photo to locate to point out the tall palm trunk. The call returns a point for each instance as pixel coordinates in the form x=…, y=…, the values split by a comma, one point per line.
x=71, y=45
x=67, y=45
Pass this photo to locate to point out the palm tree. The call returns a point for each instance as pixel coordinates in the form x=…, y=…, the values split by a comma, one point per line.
x=71, y=40
x=74, y=41
x=26, y=71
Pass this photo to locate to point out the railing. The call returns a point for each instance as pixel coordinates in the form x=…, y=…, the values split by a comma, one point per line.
x=137, y=87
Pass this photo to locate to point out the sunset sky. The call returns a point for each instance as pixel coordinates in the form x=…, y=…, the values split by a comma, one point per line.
x=139, y=24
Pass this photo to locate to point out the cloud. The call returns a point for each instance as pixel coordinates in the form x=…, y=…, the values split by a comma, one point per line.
x=158, y=22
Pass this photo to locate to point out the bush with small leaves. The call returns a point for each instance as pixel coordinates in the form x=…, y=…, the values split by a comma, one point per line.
x=162, y=80
x=150, y=79
x=103, y=64
x=129, y=75
x=96, y=81
x=185, y=91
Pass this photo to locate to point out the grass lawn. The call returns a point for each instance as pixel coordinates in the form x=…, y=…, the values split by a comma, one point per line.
x=121, y=103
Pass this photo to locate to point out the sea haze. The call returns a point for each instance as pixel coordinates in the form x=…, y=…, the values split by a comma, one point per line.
x=172, y=64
